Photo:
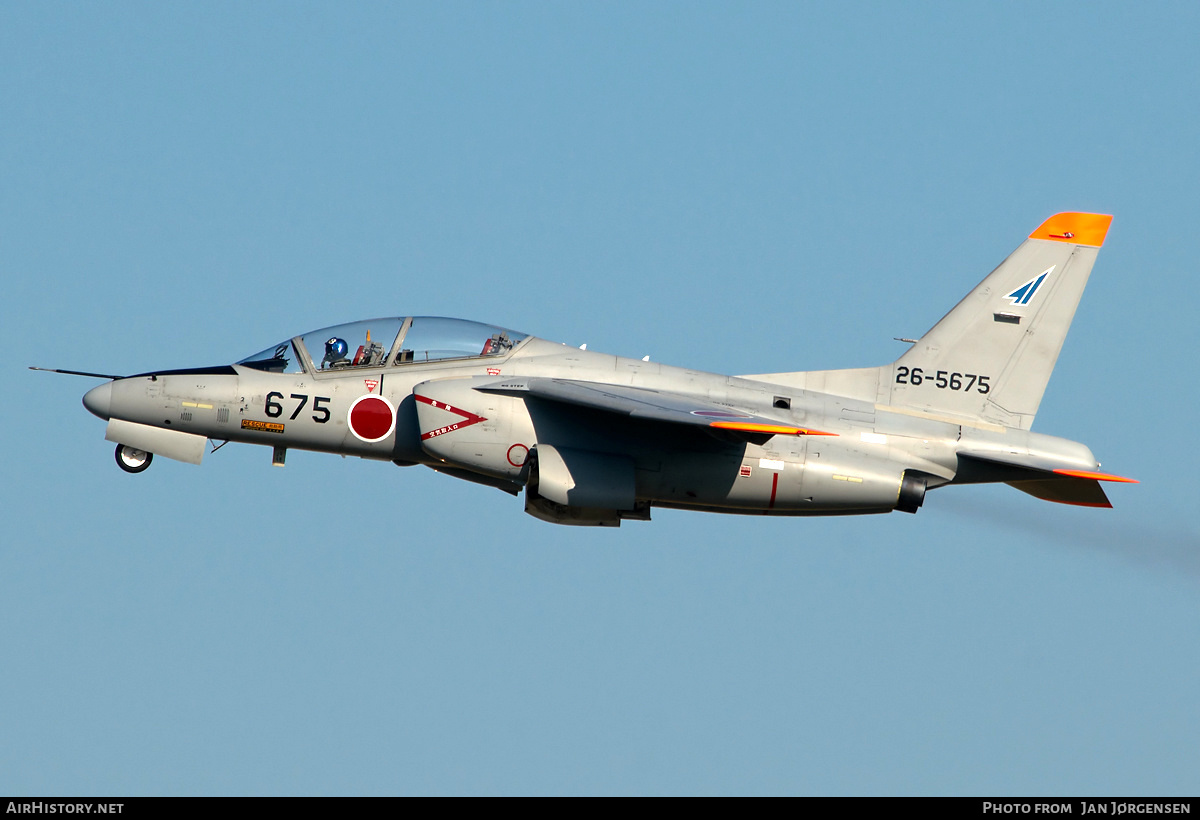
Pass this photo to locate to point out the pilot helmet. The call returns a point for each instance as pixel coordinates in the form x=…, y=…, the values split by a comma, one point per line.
x=335, y=349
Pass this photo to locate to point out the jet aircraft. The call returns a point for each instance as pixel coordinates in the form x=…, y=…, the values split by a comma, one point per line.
x=594, y=439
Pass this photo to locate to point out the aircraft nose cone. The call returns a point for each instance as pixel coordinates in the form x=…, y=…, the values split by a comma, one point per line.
x=98, y=399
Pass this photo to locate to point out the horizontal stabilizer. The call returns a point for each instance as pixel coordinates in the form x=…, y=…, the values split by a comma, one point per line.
x=1040, y=477
x=1083, y=492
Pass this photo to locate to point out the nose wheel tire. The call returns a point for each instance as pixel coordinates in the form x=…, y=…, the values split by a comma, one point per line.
x=133, y=460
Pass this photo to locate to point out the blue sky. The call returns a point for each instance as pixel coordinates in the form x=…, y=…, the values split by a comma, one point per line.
x=732, y=187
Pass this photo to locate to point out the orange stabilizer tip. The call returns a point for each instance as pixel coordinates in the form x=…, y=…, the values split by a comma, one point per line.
x=1079, y=229
x=1096, y=476
x=777, y=429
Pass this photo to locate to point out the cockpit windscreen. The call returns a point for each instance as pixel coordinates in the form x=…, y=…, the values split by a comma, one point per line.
x=280, y=358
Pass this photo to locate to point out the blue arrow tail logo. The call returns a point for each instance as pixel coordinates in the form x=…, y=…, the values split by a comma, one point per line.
x=1023, y=294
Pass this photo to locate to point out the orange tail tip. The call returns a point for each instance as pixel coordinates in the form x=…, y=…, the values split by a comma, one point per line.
x=1097, y=476
x=1080, y=229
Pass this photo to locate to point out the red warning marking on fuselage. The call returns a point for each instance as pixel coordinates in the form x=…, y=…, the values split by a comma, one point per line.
x=469, y=418
x=517, y=455
x=371, y=384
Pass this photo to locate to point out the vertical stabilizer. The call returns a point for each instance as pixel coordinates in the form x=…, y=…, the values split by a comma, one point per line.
x=991, y=356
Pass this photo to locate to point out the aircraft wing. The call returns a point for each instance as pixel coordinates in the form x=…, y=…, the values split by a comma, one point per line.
x=643, y=403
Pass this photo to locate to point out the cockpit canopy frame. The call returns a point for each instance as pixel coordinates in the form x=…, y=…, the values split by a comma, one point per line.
x=385, y=343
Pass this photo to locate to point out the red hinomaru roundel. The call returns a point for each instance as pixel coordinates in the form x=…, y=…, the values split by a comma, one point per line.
x=371, y=418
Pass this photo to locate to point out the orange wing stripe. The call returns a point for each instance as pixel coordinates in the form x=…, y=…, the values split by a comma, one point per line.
x=778, y=429
x=1080, y=229
x=1097, y=476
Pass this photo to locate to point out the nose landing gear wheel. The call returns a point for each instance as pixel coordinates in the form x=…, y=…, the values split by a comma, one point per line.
x=133, y=460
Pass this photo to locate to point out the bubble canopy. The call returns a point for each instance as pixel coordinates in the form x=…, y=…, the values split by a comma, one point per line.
x=391, y=342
